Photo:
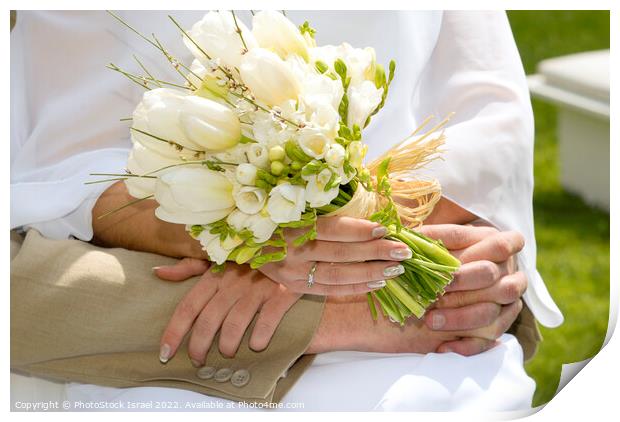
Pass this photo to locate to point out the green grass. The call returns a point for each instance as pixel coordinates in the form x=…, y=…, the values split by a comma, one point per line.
x=572, y=238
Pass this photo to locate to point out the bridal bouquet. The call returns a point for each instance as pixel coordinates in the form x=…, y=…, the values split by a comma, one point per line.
x=265, y=133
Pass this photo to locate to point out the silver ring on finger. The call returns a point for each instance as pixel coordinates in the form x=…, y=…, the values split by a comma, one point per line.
x=310, y=281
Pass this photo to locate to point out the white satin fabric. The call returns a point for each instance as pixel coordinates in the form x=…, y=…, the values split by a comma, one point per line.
x=65, y=107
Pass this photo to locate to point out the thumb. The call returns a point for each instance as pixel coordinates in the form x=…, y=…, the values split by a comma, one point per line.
x=182, y=270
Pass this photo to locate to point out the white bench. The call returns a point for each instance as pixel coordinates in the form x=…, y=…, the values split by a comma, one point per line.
x=579, y=85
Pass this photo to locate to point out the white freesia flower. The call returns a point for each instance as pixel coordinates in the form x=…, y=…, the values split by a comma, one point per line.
x=286, y=203
x=237, y=220
x=258, y=155
x=316, y=195
x=269, y=77
x=357, y=152
x=335, y=155
x=193, y=195
x=250, y=199
x=141, y=161
x=275, y=32
x=261, y=226
x=314, y=142
x=217, y=250
x=195, y=123
x=363, y=99
x=216, y=34
x=321, y=89
x=246, y=174
x=360, y=62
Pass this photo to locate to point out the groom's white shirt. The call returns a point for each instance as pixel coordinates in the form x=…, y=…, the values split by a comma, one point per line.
x=66, y=106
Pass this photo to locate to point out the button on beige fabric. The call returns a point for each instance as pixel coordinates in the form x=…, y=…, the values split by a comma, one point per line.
x=95, y=315
x=240, y=378
x=206, y=372
x=223, y=374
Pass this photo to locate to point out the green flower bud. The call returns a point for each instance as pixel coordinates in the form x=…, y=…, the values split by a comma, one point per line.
x=296, y=165
x=277, y=153
x=277, y=168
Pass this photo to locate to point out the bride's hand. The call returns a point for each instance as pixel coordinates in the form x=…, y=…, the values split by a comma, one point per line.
x=226, y=301
x=350, y=254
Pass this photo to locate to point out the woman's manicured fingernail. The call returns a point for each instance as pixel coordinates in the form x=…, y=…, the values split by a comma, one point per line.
x=154, y=269
x=379, y=232
x=446, y=350
x=164, y=353
x=438, y=320
x=393, y=271
x=376, y=284
x=401, y=254
x=196, y=363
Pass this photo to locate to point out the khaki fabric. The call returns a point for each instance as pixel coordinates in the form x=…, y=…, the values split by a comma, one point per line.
x=526, y=330
x=95, y=315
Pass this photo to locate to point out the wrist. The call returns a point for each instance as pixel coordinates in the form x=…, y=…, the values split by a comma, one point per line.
x=346, y=324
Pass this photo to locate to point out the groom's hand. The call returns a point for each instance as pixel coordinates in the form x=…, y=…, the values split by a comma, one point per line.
x=485, y=297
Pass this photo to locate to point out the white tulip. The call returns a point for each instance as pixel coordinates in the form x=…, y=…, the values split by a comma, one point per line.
x=258, y=155
x=206, y=83
x=246, y=174
x=314, y=142
x=316, y=195
x=261, y=226
x=193, y=195
x=275, y=32
x=141, y=161
x=269, y=77
x=216, y=34
x=335, y=155
x=211, y=125
x=286, y=203
x=357, y=152
x=363, y=99
x=193, y=122
x=250, y=199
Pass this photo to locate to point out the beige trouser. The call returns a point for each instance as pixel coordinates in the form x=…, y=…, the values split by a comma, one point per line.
x=95, y=315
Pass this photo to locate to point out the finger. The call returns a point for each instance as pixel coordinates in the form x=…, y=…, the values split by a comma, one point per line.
x=269, y=318
x=335, y=290
x=360, y=273
x=209, y=322
x=326, y=251
x=507, y=316
x=348, y=229
x=456, y=236
x=236, y=323
x=182, y=270
x=467, y=346
x=184, y=315
x=477, y=275
x=465, y=318
x=496, y=248
x=506, y=291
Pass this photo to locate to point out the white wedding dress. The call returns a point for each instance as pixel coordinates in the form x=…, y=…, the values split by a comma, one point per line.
x=65, y=108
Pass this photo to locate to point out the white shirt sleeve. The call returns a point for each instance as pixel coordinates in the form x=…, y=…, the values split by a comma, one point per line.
x=65, y=107
x=475, y=71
